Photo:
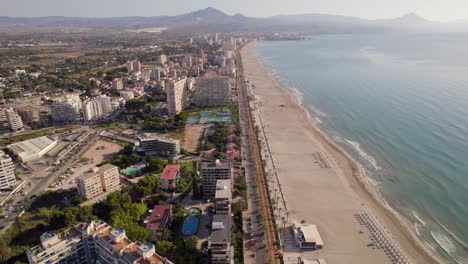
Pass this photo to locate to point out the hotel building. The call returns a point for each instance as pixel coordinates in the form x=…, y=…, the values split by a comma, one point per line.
x=211, y=173
x=67, y=108
x=176, y=95
x=102, y=180
x=154, y=145
x=221, y=251
x=211, y=91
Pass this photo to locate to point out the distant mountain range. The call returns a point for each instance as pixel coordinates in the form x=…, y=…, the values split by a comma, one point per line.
x=213, y=20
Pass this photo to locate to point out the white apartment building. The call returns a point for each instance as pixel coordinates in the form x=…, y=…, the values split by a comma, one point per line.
x=67, y=108
x=154, y=145
x=106, y=104
x=92, y=110
x=127, y=95
x=101, y=180
x=7, y=171
x=117, y=84
x=10, y=119
x=93, y=242
x=176, y=95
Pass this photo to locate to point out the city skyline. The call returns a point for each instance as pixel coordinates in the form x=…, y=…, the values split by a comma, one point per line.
x=437, y=10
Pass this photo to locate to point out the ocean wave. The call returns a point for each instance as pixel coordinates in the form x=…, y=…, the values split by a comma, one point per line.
x=444, y=242
x=364, y=154
x=318, y=120
x=418, y=218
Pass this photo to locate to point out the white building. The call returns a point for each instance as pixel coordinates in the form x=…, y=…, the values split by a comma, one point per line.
x=106, y=105
x=154, y=145
x=32, y=149
x=307, y=236
x=7, y=171
x=67, y=108
x=92, y=110
x=176, y=95
x=93, y=242
x=10, y=119
x=127, y=95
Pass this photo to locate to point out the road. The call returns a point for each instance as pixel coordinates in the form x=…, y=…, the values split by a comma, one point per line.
x=257, y=219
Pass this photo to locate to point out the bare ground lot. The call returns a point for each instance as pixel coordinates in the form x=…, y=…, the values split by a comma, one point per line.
x=192, y=135
x=96, y=153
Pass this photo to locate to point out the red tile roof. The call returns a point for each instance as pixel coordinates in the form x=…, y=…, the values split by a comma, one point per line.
x=159, y=218
x=170, y=172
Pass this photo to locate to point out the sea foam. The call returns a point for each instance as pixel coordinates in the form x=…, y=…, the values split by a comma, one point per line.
x=364, y=154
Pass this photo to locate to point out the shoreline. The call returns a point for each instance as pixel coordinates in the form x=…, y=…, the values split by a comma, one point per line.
x=400, y=228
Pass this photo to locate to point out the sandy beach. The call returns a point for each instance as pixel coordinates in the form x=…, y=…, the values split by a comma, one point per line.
x=322, y=184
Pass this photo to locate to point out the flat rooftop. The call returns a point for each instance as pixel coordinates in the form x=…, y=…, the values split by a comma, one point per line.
x=31, y=146
x=223, y=189
x=311, y=234
x=216, y=164
x=221, y=229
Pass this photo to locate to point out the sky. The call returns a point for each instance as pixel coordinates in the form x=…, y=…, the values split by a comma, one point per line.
x=438, y=10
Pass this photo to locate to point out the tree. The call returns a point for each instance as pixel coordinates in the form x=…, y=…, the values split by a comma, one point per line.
x=156, y=165
x=132, y=229
x=165, y=248
x=135, y=105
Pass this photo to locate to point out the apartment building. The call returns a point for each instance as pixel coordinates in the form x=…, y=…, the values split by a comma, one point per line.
x=170, y=176
x=7, y=171
x=127, y=95
x=212, y=172
x=223, y=197
x=176, y=95
x=221, y=251
x=9, y=119
x=155, y=74
x=93, y=242
x=117, y=84
x=154, y=145
x=106, y=104
x=28, y=114
x=92, y=110
x=211, y=91
x=101, y=180
x=67, y=108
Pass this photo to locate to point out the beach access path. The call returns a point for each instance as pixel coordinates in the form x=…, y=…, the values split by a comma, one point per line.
x=321, y=184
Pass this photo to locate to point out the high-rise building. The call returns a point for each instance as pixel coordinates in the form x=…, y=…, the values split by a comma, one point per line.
x=14, y=120
x=29, y=114
x=162, y=59
x=211, y=91
x=155, y=74
x=154, y=145
x=93, y=242
x=7, y=171
x=101, y=180
x=130, y=68
x=67, y=108
x=106, y=105
x=117, y=84
x=223, y=197
x=176, y=95
x=127, y=95
x=92, y=110
x=211, y=173
x=221, y=239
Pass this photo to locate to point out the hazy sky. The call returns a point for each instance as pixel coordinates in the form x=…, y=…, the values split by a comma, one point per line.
x=442, y=10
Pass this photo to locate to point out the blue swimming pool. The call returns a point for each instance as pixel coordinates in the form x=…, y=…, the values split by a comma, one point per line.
x=190, y=226
x=131, y=171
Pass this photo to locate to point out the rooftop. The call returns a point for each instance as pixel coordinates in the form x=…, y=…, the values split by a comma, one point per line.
x=223, y=189
x=221, y=233
x=217, y=164
x=310, y=233
x=159, y=217
x=31, y=146
x=170, y=172
x=151, y=136
x=107, y=167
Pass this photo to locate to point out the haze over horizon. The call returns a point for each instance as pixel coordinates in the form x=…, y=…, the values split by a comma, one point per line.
x=436, y=10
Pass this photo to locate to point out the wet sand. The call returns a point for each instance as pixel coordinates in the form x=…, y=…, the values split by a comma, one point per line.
x=321, y=183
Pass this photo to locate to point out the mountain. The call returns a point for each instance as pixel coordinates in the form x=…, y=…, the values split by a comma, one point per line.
x=213, y=20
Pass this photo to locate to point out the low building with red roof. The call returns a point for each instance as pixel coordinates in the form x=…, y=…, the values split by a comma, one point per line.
x=159, y=220
x=170, y=177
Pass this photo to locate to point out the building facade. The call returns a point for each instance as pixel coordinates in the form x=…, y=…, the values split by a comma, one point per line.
x=92, y=110
x=29, y=114
x=117, y=84
x=170, y=176
x=154, y=145
x=102, y=180
x=159, y=220
x=211, y=91
x=176, y=95
x=223, y=197
x=221, y=251
x=7, y=172
x=211, y=173
x=67, y=108
x=10, y=120
x=90, y=243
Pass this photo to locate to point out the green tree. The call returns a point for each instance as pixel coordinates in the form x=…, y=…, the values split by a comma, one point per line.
x=156, y=165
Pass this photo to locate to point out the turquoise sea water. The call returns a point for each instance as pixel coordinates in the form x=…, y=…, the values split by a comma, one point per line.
x=398, y=104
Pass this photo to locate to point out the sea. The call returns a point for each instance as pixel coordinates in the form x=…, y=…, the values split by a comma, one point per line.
x=398, y=103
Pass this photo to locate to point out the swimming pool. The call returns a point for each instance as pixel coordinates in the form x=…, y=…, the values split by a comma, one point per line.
x=131, y=171
x=190, y=226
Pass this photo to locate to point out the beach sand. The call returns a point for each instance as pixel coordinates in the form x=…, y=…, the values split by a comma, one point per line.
x=327, y=197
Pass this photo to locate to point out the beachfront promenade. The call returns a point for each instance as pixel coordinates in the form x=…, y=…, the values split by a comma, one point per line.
x=320, y=184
